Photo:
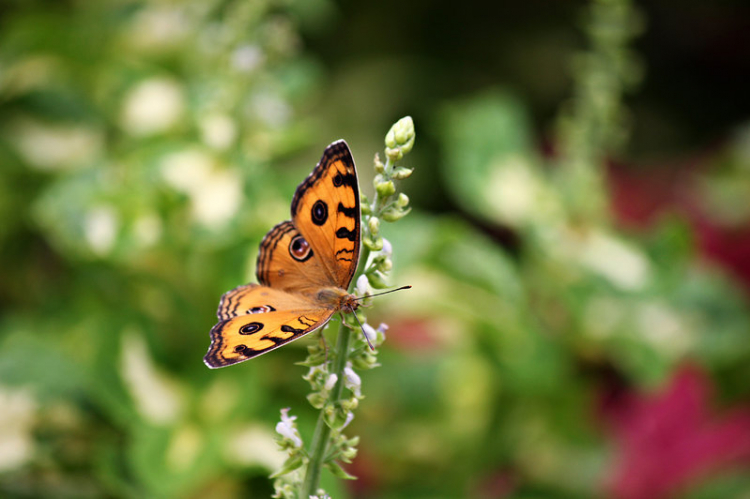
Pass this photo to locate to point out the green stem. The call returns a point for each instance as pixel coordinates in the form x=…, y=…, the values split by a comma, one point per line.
x=322, y=434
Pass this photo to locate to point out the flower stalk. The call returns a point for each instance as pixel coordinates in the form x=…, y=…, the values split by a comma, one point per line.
x=336, y=386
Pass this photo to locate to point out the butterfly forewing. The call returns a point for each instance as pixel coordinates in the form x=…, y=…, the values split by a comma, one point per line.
x=326, y=211
x=286, y=261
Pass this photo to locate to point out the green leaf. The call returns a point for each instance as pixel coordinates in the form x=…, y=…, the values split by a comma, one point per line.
x=338, y=471
x=292, y=463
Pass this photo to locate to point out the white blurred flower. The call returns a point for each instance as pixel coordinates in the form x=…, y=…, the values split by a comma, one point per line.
x=287, y=429
x=254, y=445
x=100, y=227
x=50, y=147
x=218, y=131
x=362, y=288
x=617, y=261
x=664, y=329
x=512, y=190
x=187, y=170
x=17, y=417
x=518, y=195
x=152, y=106
x=155, y=396
x=352, y=380
x=219, y=200
x=330, y=382
x=247, y=58
x=215, y=193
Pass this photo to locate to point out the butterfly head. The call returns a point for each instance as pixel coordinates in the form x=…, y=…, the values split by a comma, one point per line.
x=338, y=298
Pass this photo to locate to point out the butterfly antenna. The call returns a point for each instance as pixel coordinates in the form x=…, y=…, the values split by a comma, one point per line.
x=383, y=293
x=362, y=328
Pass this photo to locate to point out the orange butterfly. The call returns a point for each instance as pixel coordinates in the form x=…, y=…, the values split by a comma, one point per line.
x=304, y=267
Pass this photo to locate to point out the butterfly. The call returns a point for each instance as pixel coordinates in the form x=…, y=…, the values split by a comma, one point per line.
x=305, y=266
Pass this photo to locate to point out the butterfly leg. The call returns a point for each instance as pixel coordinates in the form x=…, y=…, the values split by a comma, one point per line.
x=324, y=344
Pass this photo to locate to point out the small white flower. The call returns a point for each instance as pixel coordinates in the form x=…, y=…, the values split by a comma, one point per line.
x=387, y=248
x=349, y=418
x=316, y=373
x=363, y=286
x=331, y=382
x=286, y=418
x=382, y=328
x=352, y=380
x=370, y=332
x=286, y=428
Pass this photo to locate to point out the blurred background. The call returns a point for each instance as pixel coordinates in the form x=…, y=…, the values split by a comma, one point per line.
x=579, y=248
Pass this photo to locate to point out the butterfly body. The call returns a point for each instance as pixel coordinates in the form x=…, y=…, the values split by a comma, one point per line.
x=304, y=268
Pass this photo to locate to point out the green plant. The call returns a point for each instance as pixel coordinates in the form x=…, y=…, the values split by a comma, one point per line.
x=336, y=385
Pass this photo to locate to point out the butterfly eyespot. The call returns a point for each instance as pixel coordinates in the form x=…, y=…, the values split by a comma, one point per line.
x=242, y=349
x=300, y=249
x=251, y=328
x=319, y=212
x=338, y=180
x=261, y=310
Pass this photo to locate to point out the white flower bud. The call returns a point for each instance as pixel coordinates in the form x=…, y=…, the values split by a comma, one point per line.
x=349, y=418
x=331, y=382
x=369, y=332
x=352, y=380
x=387, y=248
x=363, y=286
x=287, y=429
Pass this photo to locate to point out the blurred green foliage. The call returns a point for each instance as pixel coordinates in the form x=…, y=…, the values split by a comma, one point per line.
x=146, y=148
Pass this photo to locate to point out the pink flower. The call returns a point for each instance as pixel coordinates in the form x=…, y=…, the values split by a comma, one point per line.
x=671, y=440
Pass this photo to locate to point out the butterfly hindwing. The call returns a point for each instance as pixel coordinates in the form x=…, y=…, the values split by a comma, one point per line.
x=257, y=299
x=326, y=211
x=247, y=336
x=256, y=319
